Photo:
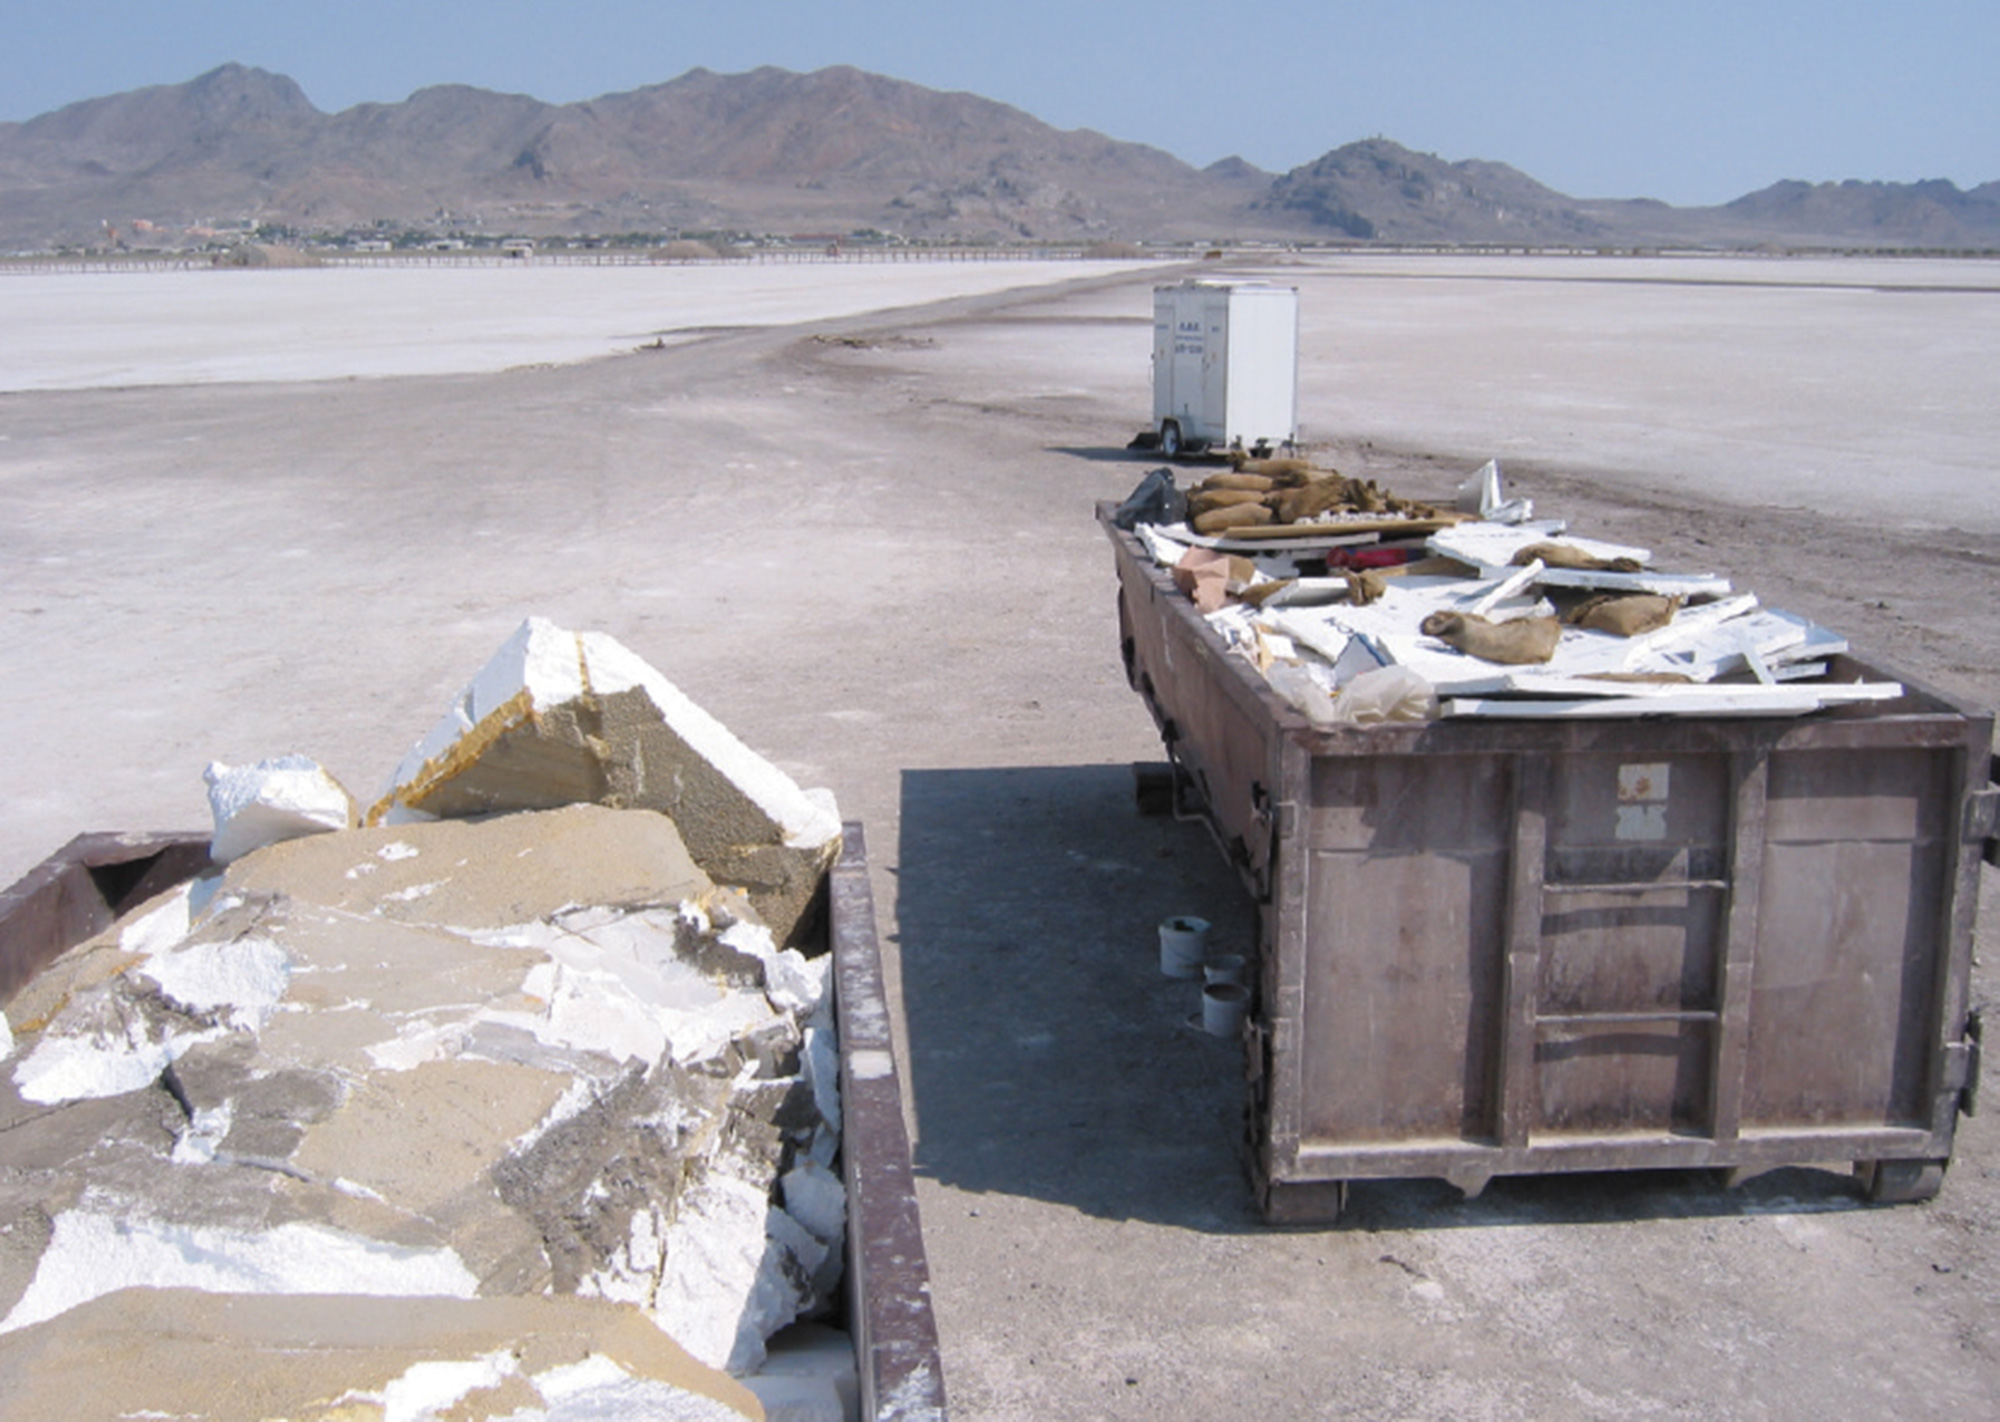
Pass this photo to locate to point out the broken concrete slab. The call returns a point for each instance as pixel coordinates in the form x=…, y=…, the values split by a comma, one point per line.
x=561, y=717
x=245, y=1357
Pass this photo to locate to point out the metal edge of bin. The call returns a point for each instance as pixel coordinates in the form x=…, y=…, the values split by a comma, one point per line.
x=82, y=888
x=888, y=1277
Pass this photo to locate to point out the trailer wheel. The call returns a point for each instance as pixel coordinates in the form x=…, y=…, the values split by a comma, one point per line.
x=1900, y=1182
x=1170, y=439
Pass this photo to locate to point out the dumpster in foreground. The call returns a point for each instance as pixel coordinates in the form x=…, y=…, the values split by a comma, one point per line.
x=87, y=885
x=1471, y=965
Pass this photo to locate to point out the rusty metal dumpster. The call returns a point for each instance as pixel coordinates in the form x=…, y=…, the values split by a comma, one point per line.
x=1471, y=966
x=84, y=887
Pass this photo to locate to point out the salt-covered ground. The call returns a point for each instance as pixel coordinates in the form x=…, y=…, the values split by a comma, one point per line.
x=81, y=330
x=872, y=558
x=1857, y=386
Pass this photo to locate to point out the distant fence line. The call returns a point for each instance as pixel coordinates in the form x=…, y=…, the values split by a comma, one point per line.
x=832, y=255
x=761, y=256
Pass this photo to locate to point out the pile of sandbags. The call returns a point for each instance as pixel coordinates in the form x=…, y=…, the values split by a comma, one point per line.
x=1258, y=493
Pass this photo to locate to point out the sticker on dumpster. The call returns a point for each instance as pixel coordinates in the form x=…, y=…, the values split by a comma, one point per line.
x=1642, y=801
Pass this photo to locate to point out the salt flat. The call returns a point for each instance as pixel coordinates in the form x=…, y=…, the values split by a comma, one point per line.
x=1862, y=385
x=872, y=556
x=89, y=329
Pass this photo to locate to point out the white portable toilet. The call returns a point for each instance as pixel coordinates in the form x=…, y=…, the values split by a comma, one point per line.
x=1225, y=365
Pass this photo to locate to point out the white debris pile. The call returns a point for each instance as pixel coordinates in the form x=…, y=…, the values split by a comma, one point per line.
x=530, y=1035
x=1497, y=615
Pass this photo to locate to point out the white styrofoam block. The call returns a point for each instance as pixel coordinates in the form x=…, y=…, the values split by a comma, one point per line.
x=273, y=800
x=815, y=1198
x=543, y=666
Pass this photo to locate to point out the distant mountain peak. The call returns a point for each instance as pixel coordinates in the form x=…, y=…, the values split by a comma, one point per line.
x=1376, y=188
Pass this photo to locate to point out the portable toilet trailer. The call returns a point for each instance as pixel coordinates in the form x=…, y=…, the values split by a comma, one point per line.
x=1225, y=365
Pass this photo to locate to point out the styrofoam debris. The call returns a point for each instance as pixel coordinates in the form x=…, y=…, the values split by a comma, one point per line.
x=273, y=800
x=1491, y=546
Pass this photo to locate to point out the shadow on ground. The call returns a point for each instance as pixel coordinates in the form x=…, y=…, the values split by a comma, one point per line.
x=1106, y=454
x=1048, y=1055
x=1050, y=1059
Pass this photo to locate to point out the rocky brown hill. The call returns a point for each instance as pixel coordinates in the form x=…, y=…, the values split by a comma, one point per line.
x=1376, y=189
x=830, y=152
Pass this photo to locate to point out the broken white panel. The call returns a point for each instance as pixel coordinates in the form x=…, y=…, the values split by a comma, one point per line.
x=1309, y=592
x=1164, y=548
x=1315, y=633
x=1704, y=701
x=1232, y=623
x=1694, y=644
x=270, y=801
x=1482, y=494
x=1771, y=636
x=1390, y=626
x=1496, y=593
x=1681, y=585
x=1293, y=543
x=1491, y=547
x=1482, y=490
x=1358, y=660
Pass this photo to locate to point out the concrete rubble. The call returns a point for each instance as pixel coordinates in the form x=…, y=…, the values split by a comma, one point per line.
x=1484, y=614
x=528, y=1046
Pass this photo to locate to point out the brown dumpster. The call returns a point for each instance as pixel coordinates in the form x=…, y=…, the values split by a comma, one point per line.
x=1471, y=965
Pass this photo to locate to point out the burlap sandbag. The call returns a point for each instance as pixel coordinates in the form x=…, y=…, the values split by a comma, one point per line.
x=1516, y=643
x=1563, y=555
x=1235, y=516
x=1203, y=500
x=1364, y=586
x=1256, y=483
x=1286, y=468
x=1625, y=614
x=1314, y=497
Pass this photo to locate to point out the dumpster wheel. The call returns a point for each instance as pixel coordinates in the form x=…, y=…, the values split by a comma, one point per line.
x=1900, y=1182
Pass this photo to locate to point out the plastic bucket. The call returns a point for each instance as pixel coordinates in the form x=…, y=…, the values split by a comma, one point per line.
x=1222, y=1008
x=1183, y=944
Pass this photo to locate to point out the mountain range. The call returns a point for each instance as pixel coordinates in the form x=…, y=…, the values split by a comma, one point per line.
x=836, y=151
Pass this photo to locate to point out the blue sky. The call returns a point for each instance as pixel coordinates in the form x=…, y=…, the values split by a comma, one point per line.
x=1691, y=102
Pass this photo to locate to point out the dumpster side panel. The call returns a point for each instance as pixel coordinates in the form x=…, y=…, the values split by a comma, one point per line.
x=1222, y=733
x=1851, y=946
x=1407, y=899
